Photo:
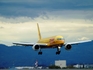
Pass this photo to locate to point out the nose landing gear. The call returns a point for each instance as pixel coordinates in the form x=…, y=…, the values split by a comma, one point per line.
x=58, y=50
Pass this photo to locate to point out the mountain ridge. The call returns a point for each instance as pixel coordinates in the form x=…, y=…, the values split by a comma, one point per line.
x=26, y=56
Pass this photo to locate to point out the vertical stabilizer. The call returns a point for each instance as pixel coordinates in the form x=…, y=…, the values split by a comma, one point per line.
x=39, y=35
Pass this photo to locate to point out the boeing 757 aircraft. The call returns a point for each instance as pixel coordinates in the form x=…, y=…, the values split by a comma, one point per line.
x=50, y=42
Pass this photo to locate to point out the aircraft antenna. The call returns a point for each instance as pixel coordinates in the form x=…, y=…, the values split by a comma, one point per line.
x=39, y=34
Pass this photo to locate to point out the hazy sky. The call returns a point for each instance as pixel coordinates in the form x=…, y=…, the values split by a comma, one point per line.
x=72, y=19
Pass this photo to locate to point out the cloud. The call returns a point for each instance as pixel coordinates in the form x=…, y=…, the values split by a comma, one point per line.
x=83, y=38
x=73, y=19
x=31, y=8
x=24, y=29
x=65, y=14
x=1, y=27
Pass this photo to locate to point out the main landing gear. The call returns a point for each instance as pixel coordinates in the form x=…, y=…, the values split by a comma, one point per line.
x=58, y=50
x=57, y=53
x=40, y=53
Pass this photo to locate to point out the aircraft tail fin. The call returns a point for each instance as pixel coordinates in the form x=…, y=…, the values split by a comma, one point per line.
x=39, y=34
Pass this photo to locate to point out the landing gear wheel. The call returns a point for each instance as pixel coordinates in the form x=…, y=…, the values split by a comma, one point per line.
x=58, y=52
x=39, y=53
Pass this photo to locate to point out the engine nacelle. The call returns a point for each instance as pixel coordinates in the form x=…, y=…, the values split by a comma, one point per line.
x=68, y=46
x=36, y=47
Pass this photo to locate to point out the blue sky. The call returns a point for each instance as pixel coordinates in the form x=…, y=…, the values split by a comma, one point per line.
x=72, y=19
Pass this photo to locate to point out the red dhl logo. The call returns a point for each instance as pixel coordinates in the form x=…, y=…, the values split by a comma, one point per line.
x=51, y=41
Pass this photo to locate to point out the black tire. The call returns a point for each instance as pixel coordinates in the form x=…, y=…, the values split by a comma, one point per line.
x=58, y=52
x=39, y=53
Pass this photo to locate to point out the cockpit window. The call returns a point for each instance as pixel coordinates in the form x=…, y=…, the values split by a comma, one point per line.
x=59, y=38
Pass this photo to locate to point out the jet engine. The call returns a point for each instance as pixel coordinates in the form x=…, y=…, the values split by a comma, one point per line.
x=36, y=47
x=68, y=46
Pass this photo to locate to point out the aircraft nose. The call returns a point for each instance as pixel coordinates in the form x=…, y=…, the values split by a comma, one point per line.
x=61, y=41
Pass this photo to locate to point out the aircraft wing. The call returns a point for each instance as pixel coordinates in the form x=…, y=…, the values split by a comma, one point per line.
x=78, y=42
x=30, y=44
x=24, y=44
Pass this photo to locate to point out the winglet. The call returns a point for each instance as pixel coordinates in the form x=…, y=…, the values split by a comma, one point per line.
x=39, y=35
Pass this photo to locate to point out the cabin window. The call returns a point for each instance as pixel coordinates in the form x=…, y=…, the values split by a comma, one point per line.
x=59, y=38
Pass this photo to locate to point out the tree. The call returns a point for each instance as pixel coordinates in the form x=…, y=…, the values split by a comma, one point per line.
x=54, y=67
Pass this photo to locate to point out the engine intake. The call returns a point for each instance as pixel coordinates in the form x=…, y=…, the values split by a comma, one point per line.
x=36, y=47
x=68, y=46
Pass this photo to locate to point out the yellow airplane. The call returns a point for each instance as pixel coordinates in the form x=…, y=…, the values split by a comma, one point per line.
x=50, y=42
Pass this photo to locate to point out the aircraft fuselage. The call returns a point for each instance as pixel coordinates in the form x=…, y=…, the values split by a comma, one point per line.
x=54, y=40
